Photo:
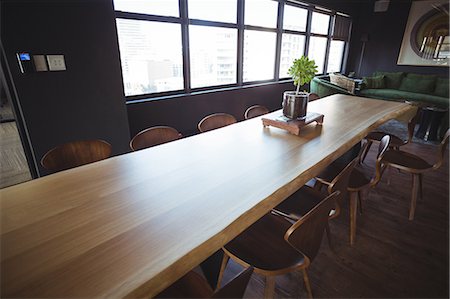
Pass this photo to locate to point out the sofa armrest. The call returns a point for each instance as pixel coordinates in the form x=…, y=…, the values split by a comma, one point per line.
x=324, y=88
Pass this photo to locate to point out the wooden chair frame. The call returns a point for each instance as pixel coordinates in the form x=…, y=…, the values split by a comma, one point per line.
x=254, y=111
x=215, y=121
x=154, y=136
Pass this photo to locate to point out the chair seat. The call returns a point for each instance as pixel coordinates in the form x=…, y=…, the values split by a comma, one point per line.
x=192, y=285
x=376, y=136
x=406, y=161
x=301, y=202
x=262, y=245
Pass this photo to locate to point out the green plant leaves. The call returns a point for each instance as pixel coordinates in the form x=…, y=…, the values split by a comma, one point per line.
x=302, y=70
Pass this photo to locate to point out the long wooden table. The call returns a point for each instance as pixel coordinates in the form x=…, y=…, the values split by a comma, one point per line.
x=131, y=225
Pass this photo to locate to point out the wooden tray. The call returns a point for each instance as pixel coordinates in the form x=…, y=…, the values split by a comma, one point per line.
x=293, y=126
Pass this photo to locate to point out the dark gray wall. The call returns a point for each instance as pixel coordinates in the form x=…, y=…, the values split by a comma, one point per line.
x=385, y=31
x=84, y=102
x=184, y=113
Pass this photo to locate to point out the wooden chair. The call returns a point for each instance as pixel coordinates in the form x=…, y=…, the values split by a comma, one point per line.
x=263, y=246
x=193, y=285
x=75, y=154
x=313, y=97
x=396, y=142
x=416, y=166
x=154, y=136
x=215, y=121
x=361, y=179
x=255, y=111
x=306, y=198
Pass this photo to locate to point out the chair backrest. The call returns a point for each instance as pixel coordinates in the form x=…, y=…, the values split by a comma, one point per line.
x=154, y=136
x=340, y=183
x=306, y=234
x=379, y=167
x=236, y=287
x=255, y=111
x=75, y=154
x=215, y=121
x=441, y=150
x=313, y=97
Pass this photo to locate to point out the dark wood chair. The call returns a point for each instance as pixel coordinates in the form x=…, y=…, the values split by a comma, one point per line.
x=193, y=285
x=313, y=97
x=416, y=166
x=76, y=153
x=396, y=142
x=254, y=111
x=275, y=246
x=215, y=121
x=154, y=136
x=306, y=198
x=362, y=178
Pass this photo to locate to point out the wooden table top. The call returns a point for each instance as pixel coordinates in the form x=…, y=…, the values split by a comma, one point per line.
x=131, y=225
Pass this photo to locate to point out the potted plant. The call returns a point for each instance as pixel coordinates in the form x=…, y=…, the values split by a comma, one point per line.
x=295, y=102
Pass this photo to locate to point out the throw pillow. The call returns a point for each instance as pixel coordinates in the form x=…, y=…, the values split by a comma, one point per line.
x=375, y=82
x=391, y=80
x=418, y=83
x=442, y=87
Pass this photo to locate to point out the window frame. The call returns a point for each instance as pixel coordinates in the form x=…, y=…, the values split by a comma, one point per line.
x=185, y=22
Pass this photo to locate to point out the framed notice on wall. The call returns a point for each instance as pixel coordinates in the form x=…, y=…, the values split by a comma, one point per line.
x=426, y=40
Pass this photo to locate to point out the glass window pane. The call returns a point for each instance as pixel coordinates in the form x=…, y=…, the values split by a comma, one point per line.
x=259, y=55
x=292, y=47
x=261, y=13
x=213, y=55
x=295, y=18
x=151, y=56
x=154, y=7
x=335, y=56
x=316, y=51
x=218, y=10
x=320, y=23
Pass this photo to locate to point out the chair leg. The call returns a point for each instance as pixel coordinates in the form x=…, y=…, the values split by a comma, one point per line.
x=366, y=151
x=269, y=290
x=225, y=260
x=353, y=208
x=414, y=193
x=420, y=186
x=389, y=172
x=307, y=284
x=360, y=196
x=327, y=230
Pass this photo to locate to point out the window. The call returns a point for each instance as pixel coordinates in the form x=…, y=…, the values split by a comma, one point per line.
x=151, y=56
x=259, y=55
x=292, y=47
x=335, y=56
x=261, y=13
x=212, y=62
x=217, y=10
x=172, y=47
x=153, y=7
x=295, y=18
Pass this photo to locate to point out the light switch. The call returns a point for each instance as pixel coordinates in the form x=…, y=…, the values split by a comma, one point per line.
x=39, y=63
x=56, y=63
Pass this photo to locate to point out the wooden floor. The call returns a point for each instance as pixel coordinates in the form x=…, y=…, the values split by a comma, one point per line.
x=393, y=257
x=13, y=164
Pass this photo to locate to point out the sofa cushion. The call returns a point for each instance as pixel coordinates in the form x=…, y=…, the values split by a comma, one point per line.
x=392, y=80
x=374, y=82
x=442, y=87
x=418, y=83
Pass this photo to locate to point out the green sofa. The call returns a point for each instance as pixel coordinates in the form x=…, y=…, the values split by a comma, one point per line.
x=426, y=89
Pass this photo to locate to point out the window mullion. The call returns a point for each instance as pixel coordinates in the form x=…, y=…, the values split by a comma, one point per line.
x=185, y=45
x=240, y=43
x=278, y=41
x=327, y=49
x=308, y=31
